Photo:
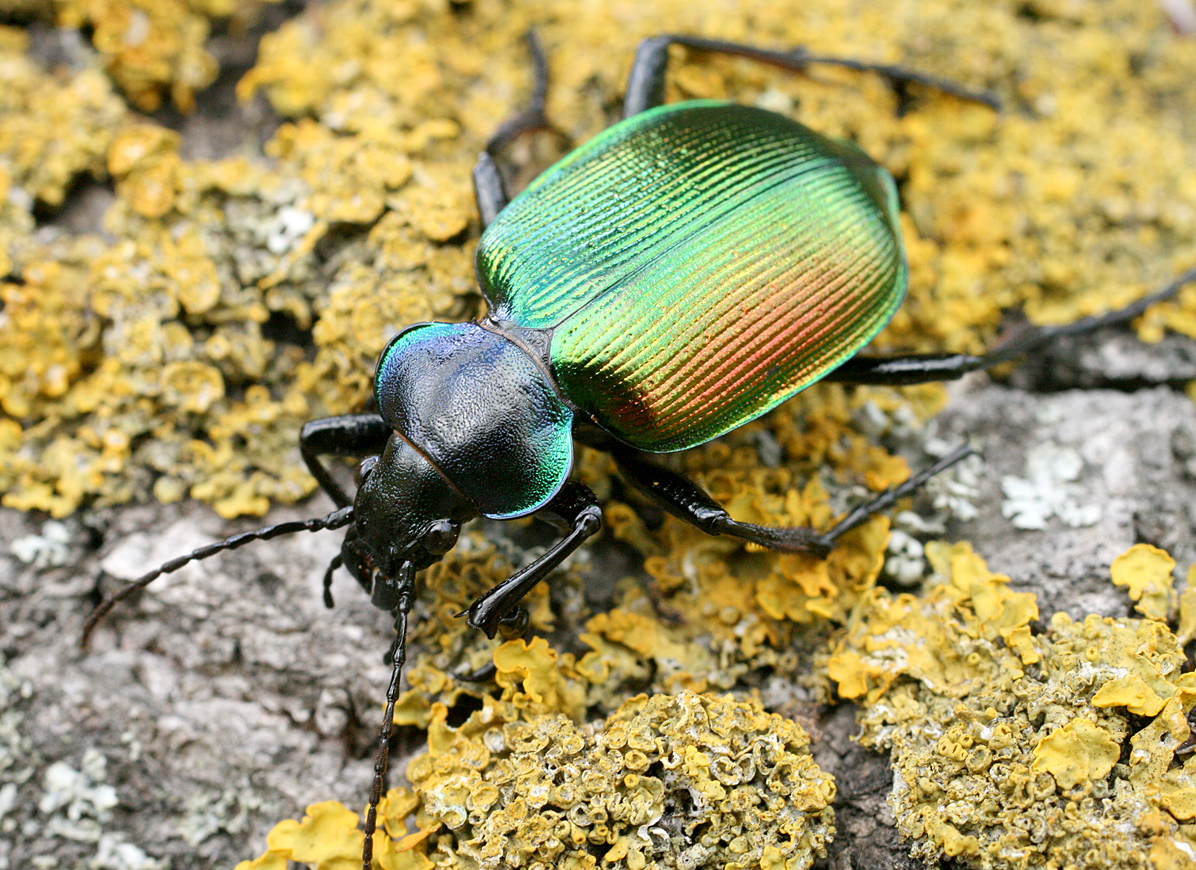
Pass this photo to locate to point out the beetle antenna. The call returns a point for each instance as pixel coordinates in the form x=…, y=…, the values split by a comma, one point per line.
x=335, y=520
x=337, y=561
x=886, y=499
x=402, y=608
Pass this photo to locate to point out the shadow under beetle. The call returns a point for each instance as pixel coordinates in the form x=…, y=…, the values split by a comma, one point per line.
x=675, y=277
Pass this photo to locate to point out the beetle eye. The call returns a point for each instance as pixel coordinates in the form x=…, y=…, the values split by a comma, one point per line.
x=363, y=470
x=440, y=537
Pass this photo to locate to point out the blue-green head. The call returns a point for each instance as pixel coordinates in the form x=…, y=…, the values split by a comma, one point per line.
x=478, y=429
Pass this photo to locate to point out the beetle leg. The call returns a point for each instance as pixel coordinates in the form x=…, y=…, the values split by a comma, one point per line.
x=489, y=189
x=922, y=368
x=512, y=625
x=347, y=435
x=897, y=371
x=686, y=500
x=577, y=507
x=645, y=85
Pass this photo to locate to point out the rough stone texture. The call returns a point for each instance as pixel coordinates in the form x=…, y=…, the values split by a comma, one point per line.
x=1132, y=475
x=866, y=837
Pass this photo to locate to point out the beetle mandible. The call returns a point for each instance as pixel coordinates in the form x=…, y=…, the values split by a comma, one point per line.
x=677, y=276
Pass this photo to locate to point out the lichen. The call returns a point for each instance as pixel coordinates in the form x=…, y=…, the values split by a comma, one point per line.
x=1145, y=571
x=666, y=781
x=1014, y=748
x=155, y=48
x=52, y=129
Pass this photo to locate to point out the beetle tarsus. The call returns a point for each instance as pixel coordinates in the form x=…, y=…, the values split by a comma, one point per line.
x=532, y=117
x=646, y=83
x=1036, y=337
x=489, y=189
x=886, y=499
x=513, y=624
x=484, y=674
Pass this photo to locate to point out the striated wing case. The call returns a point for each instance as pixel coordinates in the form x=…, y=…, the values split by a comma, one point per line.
x=697, y=265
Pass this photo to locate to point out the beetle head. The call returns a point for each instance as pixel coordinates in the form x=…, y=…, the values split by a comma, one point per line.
x=406, y=517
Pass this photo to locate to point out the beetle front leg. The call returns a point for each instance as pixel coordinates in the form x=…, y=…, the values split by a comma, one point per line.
x=687, y=501
x=575, y=508
x=348, y=435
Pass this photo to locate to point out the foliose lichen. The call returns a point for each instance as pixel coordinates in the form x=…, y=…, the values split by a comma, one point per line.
x=1018, y=748
x=667, y=781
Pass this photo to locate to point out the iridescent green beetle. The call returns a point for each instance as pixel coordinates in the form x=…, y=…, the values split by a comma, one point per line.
x=680, y=274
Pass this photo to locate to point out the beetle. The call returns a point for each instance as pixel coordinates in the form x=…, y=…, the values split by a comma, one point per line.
x=688, y=269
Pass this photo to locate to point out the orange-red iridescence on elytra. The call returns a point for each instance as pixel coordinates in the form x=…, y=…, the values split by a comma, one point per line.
x=697, y=265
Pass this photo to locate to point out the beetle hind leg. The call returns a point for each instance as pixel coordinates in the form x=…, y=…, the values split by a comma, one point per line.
x=645, y=84
x=489, y=189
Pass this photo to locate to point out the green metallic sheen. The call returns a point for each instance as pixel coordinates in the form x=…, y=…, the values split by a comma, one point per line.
x=481, y=411
x=697, y=265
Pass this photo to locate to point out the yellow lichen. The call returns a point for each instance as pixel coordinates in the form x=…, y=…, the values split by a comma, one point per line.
x=1076, y=754
x=991, y=744
x=530, y=677
x=1187, y=610
x=154, y=48
x=1145, y=571
x=325, y=838
x=549, y=791
x=52, y=128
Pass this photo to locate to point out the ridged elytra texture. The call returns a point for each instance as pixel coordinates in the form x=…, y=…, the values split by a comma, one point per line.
x=698, y=264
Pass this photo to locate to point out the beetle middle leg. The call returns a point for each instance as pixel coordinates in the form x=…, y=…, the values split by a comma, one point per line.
x=645, y=84
x=687, y=501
